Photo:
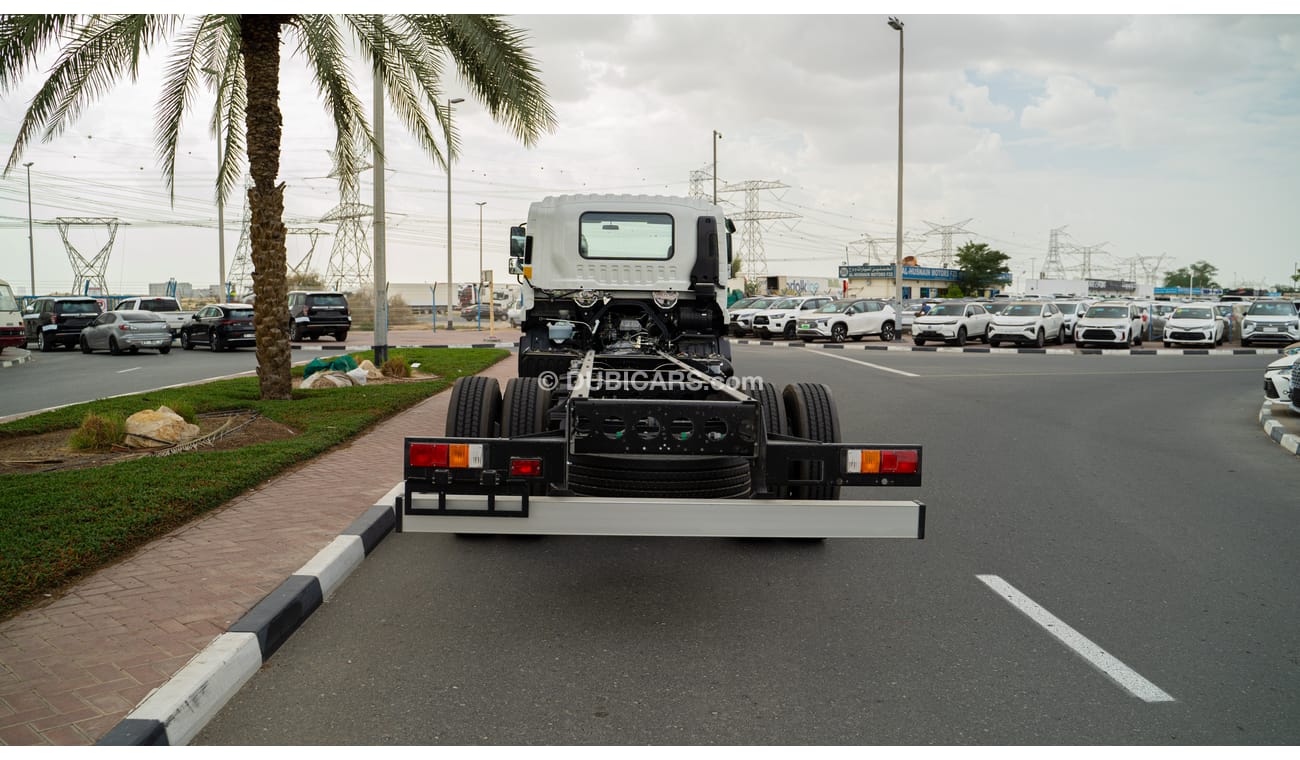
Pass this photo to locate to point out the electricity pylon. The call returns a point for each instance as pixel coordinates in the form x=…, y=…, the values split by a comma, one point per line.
x=88, y=272
x=752, y=256
x=946, y=232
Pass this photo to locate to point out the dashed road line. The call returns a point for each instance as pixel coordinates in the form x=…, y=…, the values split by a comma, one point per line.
x=865, y=364
x=124, y=371
x=1122, y=674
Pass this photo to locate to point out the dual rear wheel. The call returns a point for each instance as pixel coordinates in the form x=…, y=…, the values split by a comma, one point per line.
x=478, y=409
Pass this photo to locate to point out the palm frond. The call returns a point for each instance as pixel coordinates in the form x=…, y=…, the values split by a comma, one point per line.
x=410, y=70
x=179, y=78
x=321, y=41
x=492, y=58
x=221, y=54
x=22, y=39
x=101, y=51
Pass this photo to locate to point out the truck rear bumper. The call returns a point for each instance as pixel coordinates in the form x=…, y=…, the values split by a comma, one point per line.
x=592, y=516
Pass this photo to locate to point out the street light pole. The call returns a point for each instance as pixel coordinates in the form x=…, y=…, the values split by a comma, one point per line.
x=447, y=133
x=716, y=136
x=221, y=212
x=379, y=342
x=897, y=26
x=478, y=311
x=31, y=243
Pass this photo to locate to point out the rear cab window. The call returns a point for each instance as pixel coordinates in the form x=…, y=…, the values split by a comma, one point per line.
x=625, y=235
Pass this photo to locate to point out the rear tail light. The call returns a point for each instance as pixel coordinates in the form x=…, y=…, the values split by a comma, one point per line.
x=457, y=456
x=525, y=468
x=882, y=461
x=428, y=455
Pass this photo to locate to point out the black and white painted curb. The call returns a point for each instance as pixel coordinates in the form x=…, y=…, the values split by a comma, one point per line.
x=15, y=357
x=174, y=713
x=1278, y=431
x=1015, y=351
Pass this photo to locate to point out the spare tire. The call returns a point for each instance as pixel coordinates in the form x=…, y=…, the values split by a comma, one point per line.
x=660, y=477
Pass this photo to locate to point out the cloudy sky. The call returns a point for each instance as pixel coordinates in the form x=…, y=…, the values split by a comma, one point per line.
x=1142, y=136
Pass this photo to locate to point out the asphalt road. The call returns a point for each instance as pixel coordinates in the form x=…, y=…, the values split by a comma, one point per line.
x=66, y=376
x=1134, y=498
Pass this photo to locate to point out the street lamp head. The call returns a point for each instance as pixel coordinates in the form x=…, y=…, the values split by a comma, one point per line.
x=480, y=203
x=895, y=24
x=28, y=164
x=453, y=101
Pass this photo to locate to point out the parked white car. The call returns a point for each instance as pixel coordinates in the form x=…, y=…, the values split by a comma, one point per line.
x=742, y=317
x=952, y=322
x=1033, y=323
x=1270, y=322
x=1070, y=313
x=1194, y=324
x=1280, y=378
x=1110, y=323
x=780, y=318
x=840, y=320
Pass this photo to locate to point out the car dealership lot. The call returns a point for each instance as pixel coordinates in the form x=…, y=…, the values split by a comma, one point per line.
x=1133, y=498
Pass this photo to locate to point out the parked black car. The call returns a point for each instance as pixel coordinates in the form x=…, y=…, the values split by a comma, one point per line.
x=221, y=327
x=313, y=314
x=484, y=310
x=57, y=320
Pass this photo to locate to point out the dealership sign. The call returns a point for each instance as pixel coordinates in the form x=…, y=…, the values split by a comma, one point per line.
x=886, y=272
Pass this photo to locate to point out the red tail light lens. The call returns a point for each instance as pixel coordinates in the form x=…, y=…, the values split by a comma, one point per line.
x=428, y=454
x=525, y=468
x=900, y=462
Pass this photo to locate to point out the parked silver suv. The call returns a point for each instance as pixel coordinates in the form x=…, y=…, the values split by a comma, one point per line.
x=1270, y=322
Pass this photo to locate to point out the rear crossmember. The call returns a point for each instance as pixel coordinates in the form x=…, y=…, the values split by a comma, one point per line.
x=467, y=485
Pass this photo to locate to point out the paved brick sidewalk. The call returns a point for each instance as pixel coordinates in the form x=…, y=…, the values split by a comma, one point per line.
x=70, y=670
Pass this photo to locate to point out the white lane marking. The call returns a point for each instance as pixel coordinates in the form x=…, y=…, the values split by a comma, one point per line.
x=1100, y=658
x=834, y=355
x=124, y=371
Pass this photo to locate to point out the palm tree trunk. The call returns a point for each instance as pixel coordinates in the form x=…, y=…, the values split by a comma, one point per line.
x=260, y=48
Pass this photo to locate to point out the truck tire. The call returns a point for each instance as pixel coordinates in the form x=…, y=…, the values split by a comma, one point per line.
x=812, y=415
x=658, y=477
x=524, y=405
x=772, y=408
x=474, y=410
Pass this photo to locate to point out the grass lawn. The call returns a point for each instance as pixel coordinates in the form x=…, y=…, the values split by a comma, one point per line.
x=57, y=526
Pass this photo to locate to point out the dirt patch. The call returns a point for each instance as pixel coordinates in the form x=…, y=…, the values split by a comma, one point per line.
x=46, y=452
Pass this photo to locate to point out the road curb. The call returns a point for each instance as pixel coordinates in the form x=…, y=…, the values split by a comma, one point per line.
x=21, y=356
x=174, y=713
x=1017, y=351
x=1277, y=431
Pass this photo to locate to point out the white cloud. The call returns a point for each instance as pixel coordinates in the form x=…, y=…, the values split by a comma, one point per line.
x=1071, y=110
x=1123, y=127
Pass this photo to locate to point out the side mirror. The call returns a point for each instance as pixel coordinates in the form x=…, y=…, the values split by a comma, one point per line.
x=515, y=266
x=195, y=315
x=518, y=241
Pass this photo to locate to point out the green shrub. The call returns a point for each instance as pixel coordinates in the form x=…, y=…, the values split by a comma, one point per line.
x=98, y=432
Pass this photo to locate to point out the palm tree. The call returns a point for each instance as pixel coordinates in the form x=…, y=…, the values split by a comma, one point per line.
x=239, y=56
